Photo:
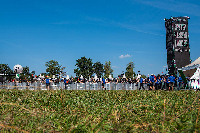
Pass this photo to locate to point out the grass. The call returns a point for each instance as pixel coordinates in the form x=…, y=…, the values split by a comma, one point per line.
x=99, y=111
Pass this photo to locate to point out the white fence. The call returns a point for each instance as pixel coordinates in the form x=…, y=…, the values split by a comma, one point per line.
x=78, y=86
x=72, y=86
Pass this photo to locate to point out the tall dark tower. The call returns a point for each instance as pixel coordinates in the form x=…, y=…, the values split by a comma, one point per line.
x=177, y=43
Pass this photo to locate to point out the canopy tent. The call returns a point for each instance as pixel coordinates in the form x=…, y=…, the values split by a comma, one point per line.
x=190, y=69
x=195, y=79
x=196, y=74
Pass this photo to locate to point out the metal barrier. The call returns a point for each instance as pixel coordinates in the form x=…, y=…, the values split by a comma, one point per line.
x=73, y=86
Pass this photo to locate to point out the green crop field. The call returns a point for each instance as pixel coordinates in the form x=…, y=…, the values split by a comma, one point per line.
x=99, y=111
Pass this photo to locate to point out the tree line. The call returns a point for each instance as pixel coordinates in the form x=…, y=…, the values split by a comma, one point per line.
x=84, y=67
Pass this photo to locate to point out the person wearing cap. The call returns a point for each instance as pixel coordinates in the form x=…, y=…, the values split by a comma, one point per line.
x=171, y=82
x=152, y=82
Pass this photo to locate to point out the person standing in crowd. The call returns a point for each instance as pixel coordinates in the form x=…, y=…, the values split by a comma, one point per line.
x=67, y=83
x=129, y=80
x=47, y=83
x=116, y=80
x=188, y=82
x=148, y=82
x=171, y=82
x=152, y=82
x=70, y=82
x=158, y=83
x=180, y=80
x=141, y=83
x=65, y=80
x=167, y=82
x=103, y=83
x=27, y=84
x=162, y=82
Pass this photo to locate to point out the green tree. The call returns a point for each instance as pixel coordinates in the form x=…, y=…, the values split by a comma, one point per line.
x=84, y=67
x=25, y=73
x=53, y=68
x=62, y=72
x=129, y=70
x=33, y=72
x=107, y=69
x=5, y=69
x=143, y=76
x=98, y=69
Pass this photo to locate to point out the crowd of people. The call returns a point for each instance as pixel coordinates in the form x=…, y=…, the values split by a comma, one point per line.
x=159, y=82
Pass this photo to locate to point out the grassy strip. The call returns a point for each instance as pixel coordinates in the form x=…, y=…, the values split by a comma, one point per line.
x=97, y=111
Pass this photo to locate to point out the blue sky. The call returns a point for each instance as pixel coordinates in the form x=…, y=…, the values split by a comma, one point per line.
x=120, y=31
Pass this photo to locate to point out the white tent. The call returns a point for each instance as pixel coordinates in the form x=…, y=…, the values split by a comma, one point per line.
x=191, y=68
x=196, y=74
x=192, y=65
x=195, y=79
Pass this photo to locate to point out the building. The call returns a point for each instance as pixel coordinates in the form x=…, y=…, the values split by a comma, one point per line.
x=177, y=43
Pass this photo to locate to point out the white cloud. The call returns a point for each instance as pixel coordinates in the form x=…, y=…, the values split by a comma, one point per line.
x=124, y=56
x=115, y=67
